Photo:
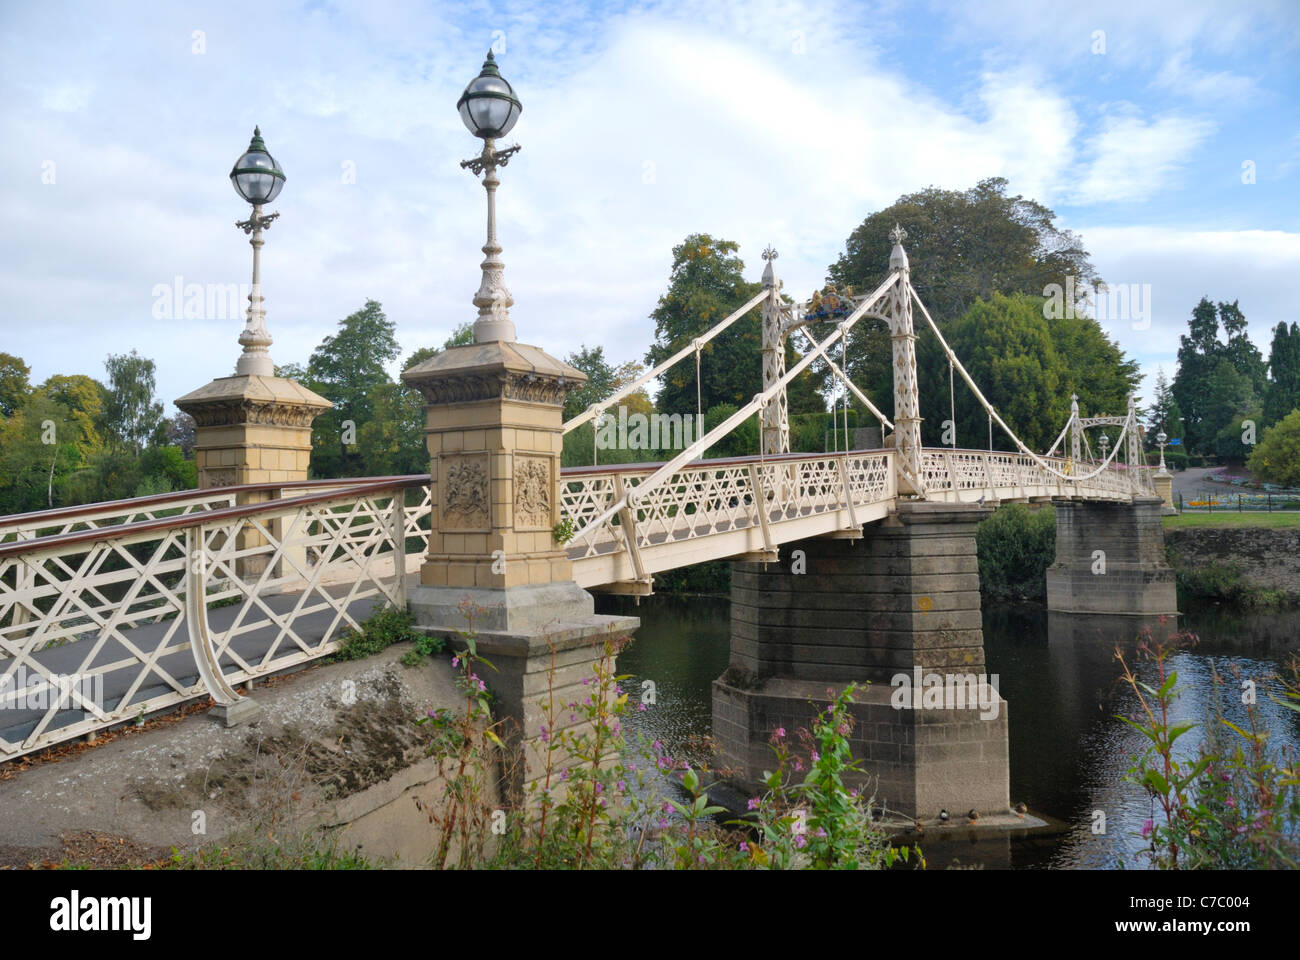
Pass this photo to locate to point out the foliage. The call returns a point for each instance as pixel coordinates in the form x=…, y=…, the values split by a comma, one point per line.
x=712, y=578
x=706, y=285
x=1276, y=457
x=309, y=850
x=564, y=531
x=965, y=246
x=1216, y=381
x=592, y=806
x=15, y=384
x=378, y=632
x=1163, y=414
x=1015, y=546
x=1236, y=803
x=131, y=415
x=1282, y=392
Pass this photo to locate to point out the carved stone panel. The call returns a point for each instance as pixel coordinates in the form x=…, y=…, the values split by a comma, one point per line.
x=532, y=492
x=220, y=477
x=464, y=492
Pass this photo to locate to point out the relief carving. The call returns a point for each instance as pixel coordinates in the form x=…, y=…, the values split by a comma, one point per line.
x=532, y=492
x=465, y=493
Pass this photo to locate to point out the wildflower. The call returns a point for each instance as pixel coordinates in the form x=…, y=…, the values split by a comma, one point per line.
x=564, y=774
x=1230, y=802
x=482, y=686
x=744, y=847
x=573, y=718
x=753, y=803
x=600, y=800
x=1147, y=827
x=600, y=787
x=814, y=756
x=668, y=807
x=1225, y=777
x=798, y=767
x=586, y=681
x=546, y=734
x=800, y=841
x=587, y=702
x=821, y=832
x=853, y=793
x=663, y=824
x=455, y=661
x=621, y=786
x=701, y=858
x=433, y=713
x=641, y=707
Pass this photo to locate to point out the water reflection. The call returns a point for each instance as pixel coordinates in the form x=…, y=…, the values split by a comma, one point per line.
x=1058, y=674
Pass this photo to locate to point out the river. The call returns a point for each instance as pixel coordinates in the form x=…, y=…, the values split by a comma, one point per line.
x=1058, y=675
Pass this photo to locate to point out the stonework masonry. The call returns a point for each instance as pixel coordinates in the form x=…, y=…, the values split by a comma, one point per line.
x=905, y=596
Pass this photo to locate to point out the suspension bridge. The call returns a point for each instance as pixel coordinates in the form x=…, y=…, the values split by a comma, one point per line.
x=113, y=611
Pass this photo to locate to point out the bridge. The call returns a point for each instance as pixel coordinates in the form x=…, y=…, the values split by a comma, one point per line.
x=111, y=612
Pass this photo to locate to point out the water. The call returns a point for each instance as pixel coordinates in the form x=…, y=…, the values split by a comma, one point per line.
x=1058, y=674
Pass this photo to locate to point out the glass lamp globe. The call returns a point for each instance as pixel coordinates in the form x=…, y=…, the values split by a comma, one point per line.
x=257, y=176
x=489, y=107
x=1160, y=437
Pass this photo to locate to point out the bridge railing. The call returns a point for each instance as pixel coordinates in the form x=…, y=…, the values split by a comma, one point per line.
x=102, y=622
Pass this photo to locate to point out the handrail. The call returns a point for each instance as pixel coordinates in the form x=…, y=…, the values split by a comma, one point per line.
x=116, y=506
x=208, y=516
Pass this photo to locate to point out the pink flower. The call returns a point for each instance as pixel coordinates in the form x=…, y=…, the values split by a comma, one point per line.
x=814, y=757
x=455, y=661
x=744, y=847
x=821, y=832
x=800, y=841
x=1147, y=827
x=641, y=707
x=1230, y=802
x=753, y=803
x=780, y=732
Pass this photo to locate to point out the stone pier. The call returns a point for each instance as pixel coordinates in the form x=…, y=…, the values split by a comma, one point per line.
x=1110, y=559
x=493, y=565
x=904, y=600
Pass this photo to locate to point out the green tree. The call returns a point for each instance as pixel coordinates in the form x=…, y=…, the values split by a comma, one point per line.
x=1026, y=366
x=706, y=285
x=1276, y=458
x=131, y=414
x=1164, y=412
x=965, y=246
x=1282, y=392
x=600, y=379
x=14, y=383
x=348, y=368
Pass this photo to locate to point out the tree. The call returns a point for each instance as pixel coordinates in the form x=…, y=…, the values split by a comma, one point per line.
x=1276, y=458
x=965, y=246
x=1164, y=412
x=14, y=383
x=348, y=368
x=1006, y=345
x=706, y=285
x=1231, y=399
x=1208, y=396
x=600, y=380
x=1243, y=354
x=131, y=415
x=180, y=432
x=1282, y=391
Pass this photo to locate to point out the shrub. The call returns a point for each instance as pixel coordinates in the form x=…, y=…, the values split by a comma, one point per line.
x=1015, y=547
x=381, y=630
x=1276, y=458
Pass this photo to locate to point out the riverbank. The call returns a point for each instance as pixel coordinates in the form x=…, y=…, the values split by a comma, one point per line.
x=1249, y=560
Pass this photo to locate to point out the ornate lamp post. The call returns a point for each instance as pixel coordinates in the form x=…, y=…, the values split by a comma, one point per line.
x=257, y=178
x=1105, y=445
x=1160, y=439
x=490, y=109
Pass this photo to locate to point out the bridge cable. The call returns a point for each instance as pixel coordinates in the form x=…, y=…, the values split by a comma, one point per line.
x=952, y=407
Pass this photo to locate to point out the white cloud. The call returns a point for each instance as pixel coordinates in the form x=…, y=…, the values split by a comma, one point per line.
x=1179, y=76
x=1130, y=159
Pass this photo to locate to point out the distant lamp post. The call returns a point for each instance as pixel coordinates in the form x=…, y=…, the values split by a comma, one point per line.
x=1161, y=437
x=490, y=109
x=257, y=178
x=1105, y=445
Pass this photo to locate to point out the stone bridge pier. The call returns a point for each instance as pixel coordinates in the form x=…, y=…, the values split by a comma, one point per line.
x=1110, y=559
x=901, y=603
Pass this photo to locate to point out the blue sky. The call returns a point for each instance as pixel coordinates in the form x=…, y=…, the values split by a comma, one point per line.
x=761, y=122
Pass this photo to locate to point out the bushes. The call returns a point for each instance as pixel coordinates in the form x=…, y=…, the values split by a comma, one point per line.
x=381, y=630
x=1015, y=547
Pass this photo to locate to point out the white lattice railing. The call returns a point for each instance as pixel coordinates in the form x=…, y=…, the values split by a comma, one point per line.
x=124, y=610
x=113, y=610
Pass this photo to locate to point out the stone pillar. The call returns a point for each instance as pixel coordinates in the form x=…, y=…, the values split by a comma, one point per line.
x=904, y=599
x=252, y=429
x=1165, y=491
x=494, y=435
x=1110, y=559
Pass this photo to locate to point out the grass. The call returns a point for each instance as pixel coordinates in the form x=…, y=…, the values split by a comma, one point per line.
x=1229, y=518
x=384, y=628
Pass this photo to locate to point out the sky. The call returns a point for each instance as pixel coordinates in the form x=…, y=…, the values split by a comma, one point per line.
x=1166, y=133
